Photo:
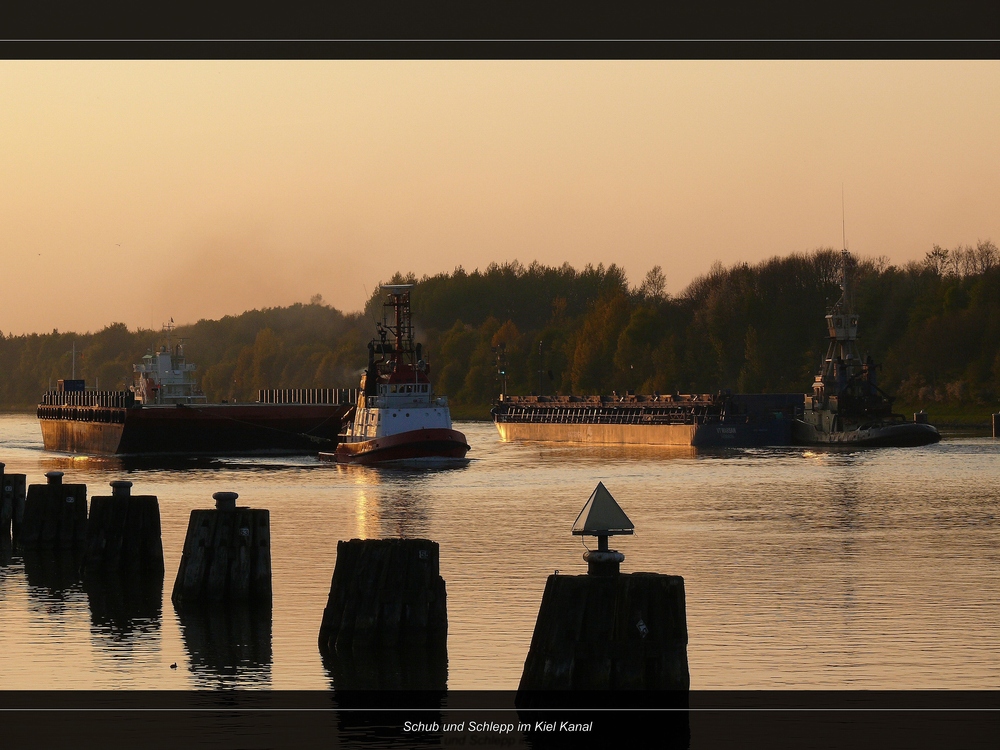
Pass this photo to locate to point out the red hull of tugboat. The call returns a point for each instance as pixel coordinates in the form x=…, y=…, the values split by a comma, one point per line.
x=403, y=446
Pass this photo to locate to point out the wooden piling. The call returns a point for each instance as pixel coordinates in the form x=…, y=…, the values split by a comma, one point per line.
x=6, y=513
x=385, y=626
x=6, y=508
x=55, y=515
x=609, y=633
x=17, y=486
x=387, y=592
x=227, y=555
x=123, y=533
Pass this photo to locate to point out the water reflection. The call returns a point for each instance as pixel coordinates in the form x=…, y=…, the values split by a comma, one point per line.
x=124, y=609
x=52, y=574
x=382, y=667
x=229, y=644
x=391, y=503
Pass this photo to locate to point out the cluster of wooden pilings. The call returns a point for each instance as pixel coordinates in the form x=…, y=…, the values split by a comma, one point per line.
x=222, y=591
x=49, y=524
x=385, y=624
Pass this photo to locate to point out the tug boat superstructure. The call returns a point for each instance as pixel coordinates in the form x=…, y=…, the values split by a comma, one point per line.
x=846, y=406
x=399, y=418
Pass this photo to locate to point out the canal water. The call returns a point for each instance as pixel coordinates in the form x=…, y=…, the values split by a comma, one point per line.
x=804, y=569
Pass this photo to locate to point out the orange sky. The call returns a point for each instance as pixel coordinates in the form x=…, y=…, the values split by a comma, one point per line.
x=140, y=191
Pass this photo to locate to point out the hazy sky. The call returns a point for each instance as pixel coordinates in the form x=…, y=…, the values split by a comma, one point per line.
x=140, y=191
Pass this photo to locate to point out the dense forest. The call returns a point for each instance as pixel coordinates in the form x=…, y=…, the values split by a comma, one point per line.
x=934, y=326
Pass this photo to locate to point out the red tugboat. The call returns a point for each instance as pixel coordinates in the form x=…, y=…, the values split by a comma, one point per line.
x=398, y=418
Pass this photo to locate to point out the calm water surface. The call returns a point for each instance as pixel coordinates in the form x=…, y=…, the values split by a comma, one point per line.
x=803, y=568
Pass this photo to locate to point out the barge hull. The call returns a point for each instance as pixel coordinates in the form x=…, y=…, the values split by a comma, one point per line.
x=633, y=434
x=711, y=435
x=213, y=429
x=70, y=436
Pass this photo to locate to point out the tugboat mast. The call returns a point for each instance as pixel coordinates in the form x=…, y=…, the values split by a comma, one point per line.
x=842, y=360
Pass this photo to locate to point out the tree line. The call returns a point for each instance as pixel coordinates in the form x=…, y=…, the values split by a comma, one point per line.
x=934, y=325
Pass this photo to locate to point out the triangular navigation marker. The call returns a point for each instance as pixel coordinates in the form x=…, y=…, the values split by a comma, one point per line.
x=602, y=516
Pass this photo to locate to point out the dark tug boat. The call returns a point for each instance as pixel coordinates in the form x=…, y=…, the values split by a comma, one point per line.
x=846, y=406
x=164, y=413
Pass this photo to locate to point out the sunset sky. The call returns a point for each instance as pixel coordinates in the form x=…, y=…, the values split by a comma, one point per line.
x=140, y=191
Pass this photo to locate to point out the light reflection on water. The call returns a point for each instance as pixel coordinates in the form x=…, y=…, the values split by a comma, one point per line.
x=803, y=568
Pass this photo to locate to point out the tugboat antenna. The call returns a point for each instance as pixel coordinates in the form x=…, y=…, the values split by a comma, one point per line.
x=843, y=217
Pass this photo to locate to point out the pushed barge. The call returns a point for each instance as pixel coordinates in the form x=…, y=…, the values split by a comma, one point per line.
x=699, y=420
x=399, y=419
x=164, y=413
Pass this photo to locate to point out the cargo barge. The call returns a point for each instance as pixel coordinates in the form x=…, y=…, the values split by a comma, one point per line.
x=164, y=413
x=700, y=420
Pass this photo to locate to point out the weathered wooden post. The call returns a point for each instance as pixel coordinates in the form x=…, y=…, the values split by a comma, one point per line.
x=227, y=555
x=385, y=625
x=55, y=515
x=6, y=507
x=996, y=425
x=14, y=488
x=6, y=512
x=123, y=558
x=123, y=533
x=607, y=630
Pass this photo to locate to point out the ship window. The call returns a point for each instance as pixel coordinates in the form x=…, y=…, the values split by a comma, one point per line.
x=409, y=389
x=392, y=388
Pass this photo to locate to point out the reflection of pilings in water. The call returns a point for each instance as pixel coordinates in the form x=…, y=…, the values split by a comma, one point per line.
x=229, y=643
x=54, y=570
x=404, y=668
x=124, y=604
